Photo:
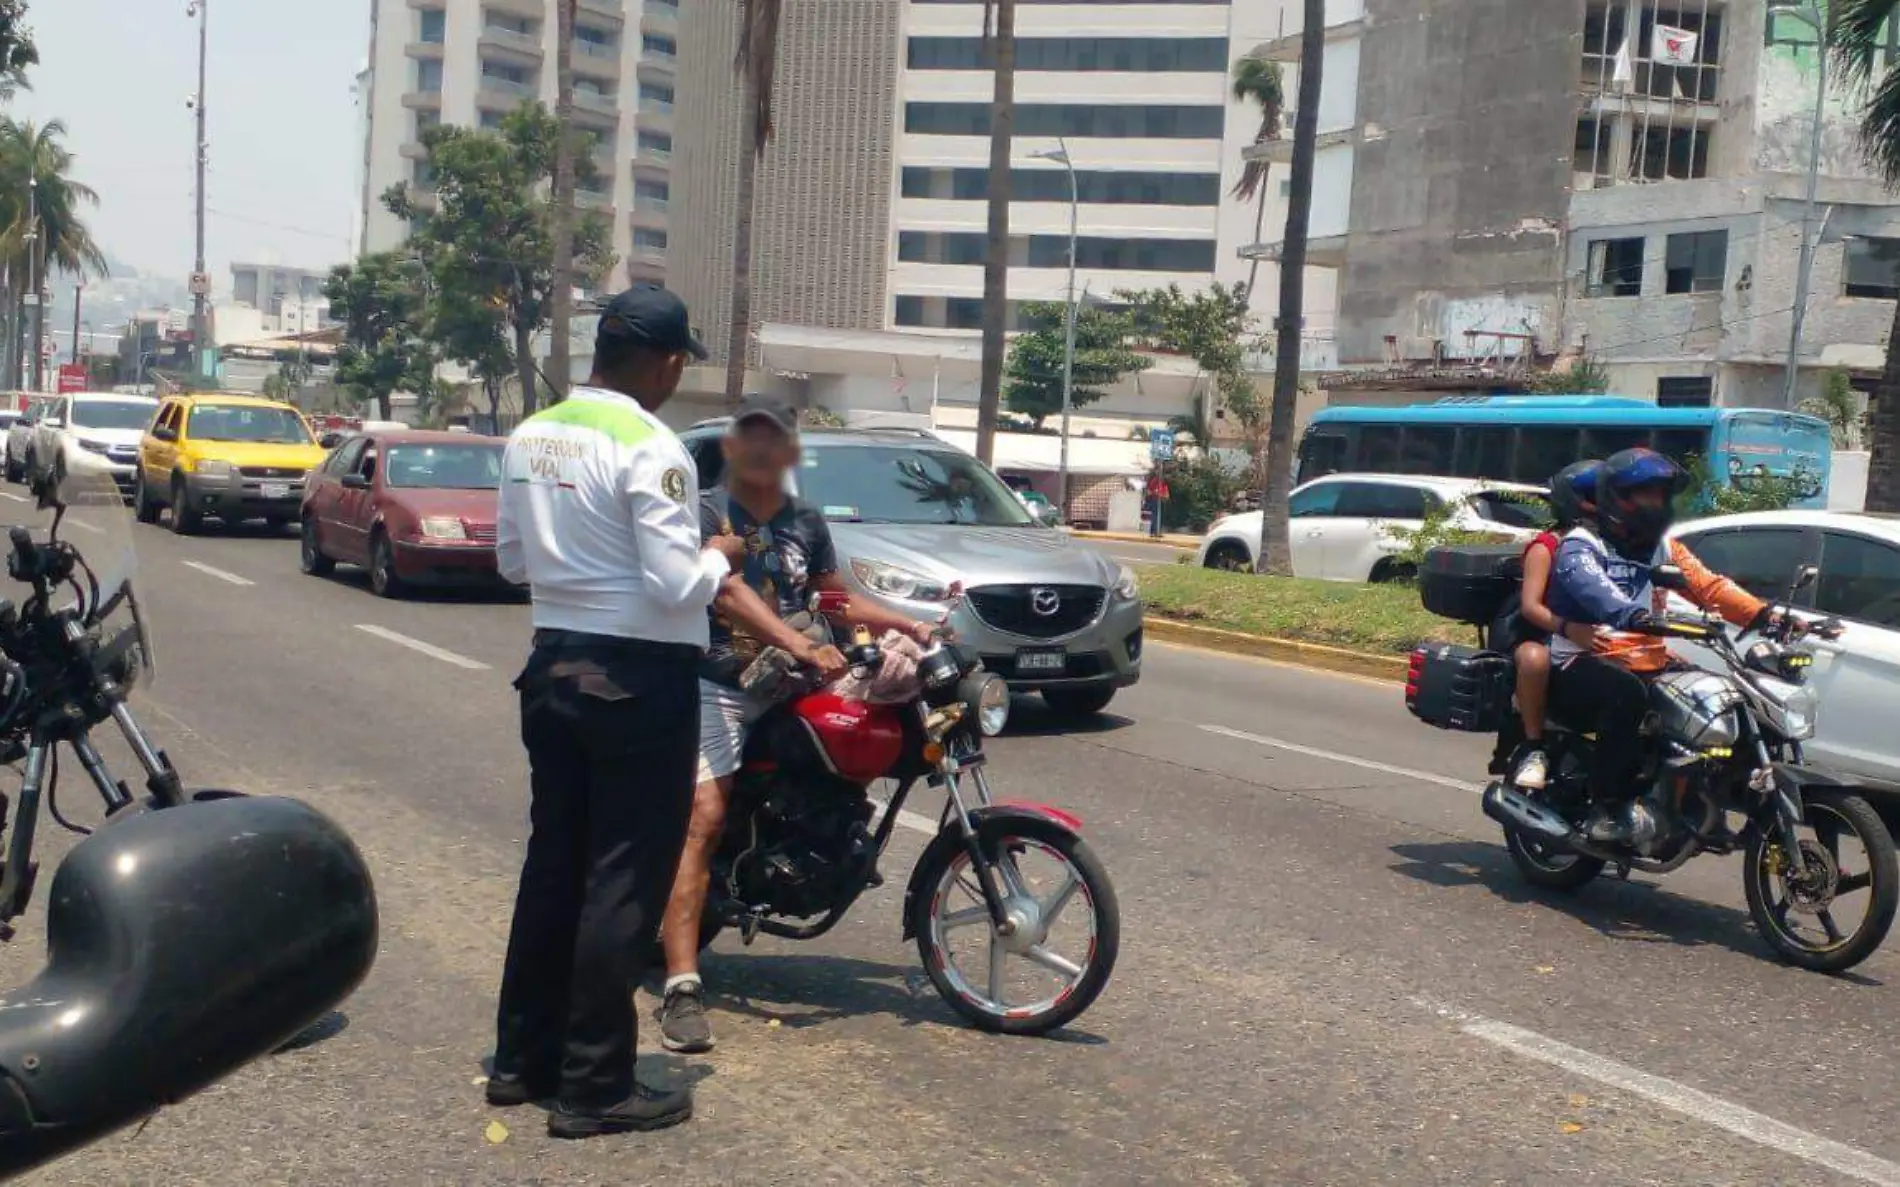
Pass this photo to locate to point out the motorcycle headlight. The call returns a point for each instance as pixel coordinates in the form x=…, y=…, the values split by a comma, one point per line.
x=986, y=698
x=1792, y=708
x=894, y=582
x=1126, y=587
x=443, y=528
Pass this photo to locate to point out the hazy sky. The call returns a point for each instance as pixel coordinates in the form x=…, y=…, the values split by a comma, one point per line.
x=283, y=138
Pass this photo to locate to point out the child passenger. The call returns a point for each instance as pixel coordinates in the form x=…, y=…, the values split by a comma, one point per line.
x=1572, y=498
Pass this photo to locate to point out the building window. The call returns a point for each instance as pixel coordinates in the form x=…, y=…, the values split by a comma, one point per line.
x=1616, y=268
x=1071, y=119
x=431, y=26
x=1052, y=185
x=1134, y=55
x=654, y=143
x=655, y=92
x=1662, y=152
x=649, y=238
x=950, y=313
x=1695, y=262
x=663, y=47
x=1873, y=268
x=1685, y=391
x=1052, y=251
x=491, y=119
x=1606, y=35
x=644, y=187
x=429, y=77
x=1593, y=152
x=426, y=120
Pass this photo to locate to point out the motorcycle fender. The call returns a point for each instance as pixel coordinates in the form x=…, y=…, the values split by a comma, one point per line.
x=949, y=837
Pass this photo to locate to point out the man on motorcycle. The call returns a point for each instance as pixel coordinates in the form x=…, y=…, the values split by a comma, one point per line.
x=1603, y=578
x=789, y=557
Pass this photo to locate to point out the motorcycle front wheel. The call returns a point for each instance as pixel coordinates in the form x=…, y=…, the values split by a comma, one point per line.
x=1851, y=863
x=1060, y=952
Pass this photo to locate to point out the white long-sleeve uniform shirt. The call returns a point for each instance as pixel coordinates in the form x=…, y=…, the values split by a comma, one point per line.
x=599, y=515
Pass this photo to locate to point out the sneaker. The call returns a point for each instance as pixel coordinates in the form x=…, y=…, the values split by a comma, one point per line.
x=647, y=1109
x=683, y=1025
x=1533, y=771
x=507, y=1092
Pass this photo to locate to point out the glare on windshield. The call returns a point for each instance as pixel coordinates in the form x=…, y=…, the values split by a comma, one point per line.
x=113, y=414
x=906, y=484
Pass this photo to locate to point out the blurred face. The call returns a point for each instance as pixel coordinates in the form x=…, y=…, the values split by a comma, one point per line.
x=1648, y=498
x=759, y=454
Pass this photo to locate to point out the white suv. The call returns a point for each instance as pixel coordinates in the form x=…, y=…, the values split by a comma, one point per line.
x=101, y=424
x=1341, y=525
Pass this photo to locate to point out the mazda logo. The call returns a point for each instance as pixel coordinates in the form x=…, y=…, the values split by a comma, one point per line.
x=1045, y=602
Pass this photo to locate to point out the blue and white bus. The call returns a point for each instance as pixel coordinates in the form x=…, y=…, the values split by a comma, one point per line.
x=1530, y=438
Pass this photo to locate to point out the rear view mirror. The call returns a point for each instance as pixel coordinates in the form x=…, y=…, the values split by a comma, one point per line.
x=1803, y=577
x=331, y=439
x=356, y=481
x=182, y=944
x=53, y=422
x=165, y=433
x=1669, y=577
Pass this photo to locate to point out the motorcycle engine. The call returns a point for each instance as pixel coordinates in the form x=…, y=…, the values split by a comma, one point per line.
x=808, y=839
x=1697, y=710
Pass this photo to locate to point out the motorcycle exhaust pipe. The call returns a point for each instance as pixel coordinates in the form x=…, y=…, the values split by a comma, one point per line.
x=1513, y=809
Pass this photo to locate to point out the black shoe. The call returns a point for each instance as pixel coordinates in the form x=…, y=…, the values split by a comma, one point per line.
x=683, y=1025
x=507, y=1092
x=647, y=1109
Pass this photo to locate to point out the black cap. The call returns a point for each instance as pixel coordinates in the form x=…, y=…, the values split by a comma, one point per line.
x=650, y=316
x=777, y=412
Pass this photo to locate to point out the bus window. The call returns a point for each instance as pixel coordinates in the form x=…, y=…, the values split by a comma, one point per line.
x=1379, y=449
x=1679, y=445
x=1482, y=453
x=1600, y=441
x=1542, y=450
x=1428, y=450
x=1322, y=454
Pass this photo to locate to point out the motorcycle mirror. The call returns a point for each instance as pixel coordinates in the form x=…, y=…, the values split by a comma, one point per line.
x=1803, y=577
x=1669, y=577
x=181, y=945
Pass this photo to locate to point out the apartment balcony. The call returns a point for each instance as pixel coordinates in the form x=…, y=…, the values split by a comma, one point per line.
x=644, y=254
x=413, y=151
x=609, y=12
x=511, y=46
x=660, y=17
x=598, y=102
x=656, y=113
x=646, y=213
x=1280, y=152
x=1344, y=22
x=534, y=10
x=424, y=51
x=1328, y=251
x=423, y=100
x=590, y=199
x=501, y=94
x=657, y=67
x=653, y=160
x=594, y=60
x=435, y=5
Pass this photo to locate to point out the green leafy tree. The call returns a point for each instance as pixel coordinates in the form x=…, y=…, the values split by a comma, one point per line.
x=1260, y=83
x=471, y=328
x=17, y=51
x=1708, y=493
x=1200, y=490
x=1858, y=42
x=1584, y=377
x=1213, y=328
x=1102, y=356
x=1839, y=406
x=288, y=379
x=487, y=238
x=380, y=300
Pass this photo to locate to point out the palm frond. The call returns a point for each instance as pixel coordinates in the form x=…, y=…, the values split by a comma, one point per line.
x=757, y=62
x=1261, y=83
x=1857, y=39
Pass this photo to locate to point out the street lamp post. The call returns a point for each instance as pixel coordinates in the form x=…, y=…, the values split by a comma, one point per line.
x=1811, y=16
x=36, y=265
x=201, y=346
x=1060, y=155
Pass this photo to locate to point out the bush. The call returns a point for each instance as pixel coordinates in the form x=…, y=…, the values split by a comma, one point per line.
x=1437, y=531
x=1200, y=490
x=1707, y=493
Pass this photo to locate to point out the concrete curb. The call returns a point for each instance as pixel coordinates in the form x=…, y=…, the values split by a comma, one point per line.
x=1286, y=651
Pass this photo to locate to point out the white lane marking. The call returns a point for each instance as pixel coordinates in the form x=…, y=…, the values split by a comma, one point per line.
x=908, y=819
x=1347, y=759
x=7, y=494
x=1711, y=1110
x=83, y=526
x=220, y=574
x=417, y=645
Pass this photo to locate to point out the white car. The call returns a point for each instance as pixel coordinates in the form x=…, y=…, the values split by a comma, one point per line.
x=20, y=435
x=106, y=426
x=1858, y=675
x=1342, y=525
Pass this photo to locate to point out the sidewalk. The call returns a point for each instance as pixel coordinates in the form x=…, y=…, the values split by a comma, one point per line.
x=1177, y=539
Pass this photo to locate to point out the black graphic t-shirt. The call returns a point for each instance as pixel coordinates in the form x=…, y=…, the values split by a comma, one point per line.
x=782, y=557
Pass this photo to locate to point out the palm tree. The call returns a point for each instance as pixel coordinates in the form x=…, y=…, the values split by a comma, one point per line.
x=56, y=237
x=999, y=31
x=1258, y=81
x=757, y=64
x=1858, y=45
x=561, y=290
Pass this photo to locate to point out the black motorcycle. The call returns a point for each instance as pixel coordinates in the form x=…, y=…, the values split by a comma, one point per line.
x=1718, y=745
x=190, y=932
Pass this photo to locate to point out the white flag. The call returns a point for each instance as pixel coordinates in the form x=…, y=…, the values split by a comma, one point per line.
x=1622, y=72
x=1670, y=46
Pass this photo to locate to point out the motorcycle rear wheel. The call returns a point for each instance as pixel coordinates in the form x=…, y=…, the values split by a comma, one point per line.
x=1761, y=879
x=947, y=879
x=1547, y=869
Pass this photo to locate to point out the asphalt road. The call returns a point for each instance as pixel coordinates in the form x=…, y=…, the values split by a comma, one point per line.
x=1329, y=974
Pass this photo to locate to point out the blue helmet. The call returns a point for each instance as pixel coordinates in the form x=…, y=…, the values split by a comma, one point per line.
x=1627, y=525
x=1573, y=492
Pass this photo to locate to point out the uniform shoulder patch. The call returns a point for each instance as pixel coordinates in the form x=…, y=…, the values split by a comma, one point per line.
x=673, y=484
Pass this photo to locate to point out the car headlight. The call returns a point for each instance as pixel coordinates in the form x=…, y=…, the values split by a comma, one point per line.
x=92, y=446
x=1127, y=588
x=215, y=469
x=1792, y=708
x=443, y=528
x=894, y=582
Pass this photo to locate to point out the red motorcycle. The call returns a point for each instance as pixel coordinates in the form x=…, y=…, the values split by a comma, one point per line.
x=1013, y=914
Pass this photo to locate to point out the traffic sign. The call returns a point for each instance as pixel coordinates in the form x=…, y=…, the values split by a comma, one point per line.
x=72, y=378
x=1161, y=445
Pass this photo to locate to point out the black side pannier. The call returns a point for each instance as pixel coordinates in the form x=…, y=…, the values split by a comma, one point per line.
x=1470, y=582
x=1460, y=688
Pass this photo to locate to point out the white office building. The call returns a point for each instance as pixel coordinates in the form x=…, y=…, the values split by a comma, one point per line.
x=470, y=62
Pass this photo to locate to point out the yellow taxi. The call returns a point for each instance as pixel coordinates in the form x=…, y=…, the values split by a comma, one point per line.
x=224, y=457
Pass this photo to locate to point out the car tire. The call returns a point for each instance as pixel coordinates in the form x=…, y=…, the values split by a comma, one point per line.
x=1077, y=703
x=16, y=473
x=144, y=507
x=1387, y=572
x=1229, y=555
x=185, y=521
x=310, y=555
x=383, y=579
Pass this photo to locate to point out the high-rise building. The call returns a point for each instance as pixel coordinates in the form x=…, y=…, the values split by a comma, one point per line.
x=470, y=62
x=871, y=202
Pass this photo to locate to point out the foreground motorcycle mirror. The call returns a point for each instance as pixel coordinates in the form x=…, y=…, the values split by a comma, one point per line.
x=1669, y=577
x=181, y=945
x=1805, y=576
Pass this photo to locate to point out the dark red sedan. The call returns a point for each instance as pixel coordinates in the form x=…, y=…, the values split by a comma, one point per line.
x=413, y=507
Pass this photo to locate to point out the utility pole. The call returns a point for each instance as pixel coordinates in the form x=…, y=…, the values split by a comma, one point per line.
x=1060, y=155
x=1812, y=16
x=204, y=353
x=561, y=304
x=79, y=292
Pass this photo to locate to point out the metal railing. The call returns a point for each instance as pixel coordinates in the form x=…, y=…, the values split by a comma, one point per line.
x=513, y=39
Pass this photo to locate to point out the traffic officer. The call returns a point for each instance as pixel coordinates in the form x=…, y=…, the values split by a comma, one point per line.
x=598, y=514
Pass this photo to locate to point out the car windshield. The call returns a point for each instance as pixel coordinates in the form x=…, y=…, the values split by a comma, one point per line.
x=112, y=414
x=906, y=484
x=246, y=422
x=1513, y=508
x=444, y=467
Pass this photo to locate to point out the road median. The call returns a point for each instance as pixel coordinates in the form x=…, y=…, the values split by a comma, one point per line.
x=1362, y=630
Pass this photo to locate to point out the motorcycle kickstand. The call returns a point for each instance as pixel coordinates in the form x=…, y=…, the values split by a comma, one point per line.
x=749, y=927
x=1622, y=871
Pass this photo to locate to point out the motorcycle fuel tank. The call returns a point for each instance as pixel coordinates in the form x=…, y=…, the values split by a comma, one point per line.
x=181, y=944
x=861, y=742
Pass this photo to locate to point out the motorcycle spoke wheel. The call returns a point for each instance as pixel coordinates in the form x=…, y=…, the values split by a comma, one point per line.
x=1836, y=914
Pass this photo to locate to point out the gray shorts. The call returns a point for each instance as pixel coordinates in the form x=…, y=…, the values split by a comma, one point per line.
x=725, y=716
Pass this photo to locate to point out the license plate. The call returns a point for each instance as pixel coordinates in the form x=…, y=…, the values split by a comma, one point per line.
x=277, y=490
x=1028, y=662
